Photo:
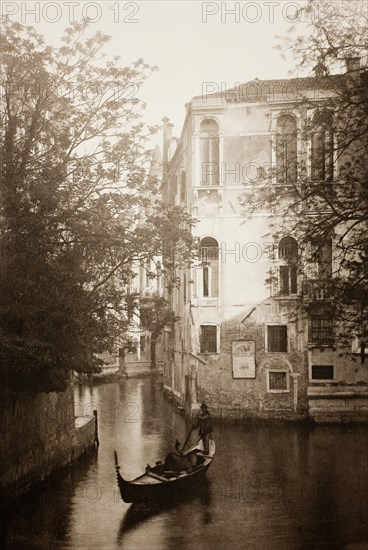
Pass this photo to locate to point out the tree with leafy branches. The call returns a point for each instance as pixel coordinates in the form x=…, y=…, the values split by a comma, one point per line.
x=75, y=197
x=330, y=200
x=155, y=315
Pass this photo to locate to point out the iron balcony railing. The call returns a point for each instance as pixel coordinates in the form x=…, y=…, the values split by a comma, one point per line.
x=317, y=289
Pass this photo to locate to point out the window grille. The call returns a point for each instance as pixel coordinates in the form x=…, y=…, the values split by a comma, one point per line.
x=277, y=381
x=321, y=330
x=277, y=338
x=208, y=340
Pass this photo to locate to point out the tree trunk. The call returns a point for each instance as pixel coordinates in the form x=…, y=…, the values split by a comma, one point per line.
x=153, y=354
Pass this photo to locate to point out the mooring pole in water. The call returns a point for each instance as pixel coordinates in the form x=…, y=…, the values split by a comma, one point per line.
x=117, y=467
x=97, y=442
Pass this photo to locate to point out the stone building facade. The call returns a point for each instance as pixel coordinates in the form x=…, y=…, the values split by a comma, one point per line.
x=42, y=435
x=148, y=282
x=240, y=342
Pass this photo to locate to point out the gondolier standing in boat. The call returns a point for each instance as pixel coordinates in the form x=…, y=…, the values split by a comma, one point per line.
x=204, y=423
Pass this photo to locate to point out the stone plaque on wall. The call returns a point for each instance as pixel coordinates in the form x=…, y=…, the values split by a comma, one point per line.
x=244, y=364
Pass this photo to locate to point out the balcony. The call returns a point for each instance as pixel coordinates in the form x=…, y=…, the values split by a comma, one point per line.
x=315, y=290
x=148, y=292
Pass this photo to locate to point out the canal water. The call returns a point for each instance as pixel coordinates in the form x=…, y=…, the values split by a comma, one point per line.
x=270, y=487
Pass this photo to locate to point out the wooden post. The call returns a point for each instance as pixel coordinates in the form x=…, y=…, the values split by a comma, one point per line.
x=97, y=442
x=153, y=353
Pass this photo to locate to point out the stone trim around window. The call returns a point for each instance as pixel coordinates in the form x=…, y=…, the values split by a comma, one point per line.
x=277, y=384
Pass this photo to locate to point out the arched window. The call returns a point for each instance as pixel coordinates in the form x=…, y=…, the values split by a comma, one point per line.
x=322, y=147
x=288, y=249
x=286, y=149
x=210, y=170
x=210, y=269
x=288, y=280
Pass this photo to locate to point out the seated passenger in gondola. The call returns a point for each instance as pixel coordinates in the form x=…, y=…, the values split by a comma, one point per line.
x=178, y=463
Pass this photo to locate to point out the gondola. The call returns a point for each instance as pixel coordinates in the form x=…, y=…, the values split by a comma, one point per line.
x=158, y=482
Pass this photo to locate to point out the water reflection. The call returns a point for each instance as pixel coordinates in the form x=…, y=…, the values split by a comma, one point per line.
x=198, y=498
x=269, y=487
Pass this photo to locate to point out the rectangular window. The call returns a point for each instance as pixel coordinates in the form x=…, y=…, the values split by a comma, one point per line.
x=208, y=340
x=284, y=280
x=288, y=280
x=286, y=154
x=322, y=253
x=277, y=381
x=206, y=291
x=322, y=372
x=329, y=168
x=321, y=331
x=214, y=278
x=277, y=338
x=210, y=161
x=318, y=156
x=322, y=156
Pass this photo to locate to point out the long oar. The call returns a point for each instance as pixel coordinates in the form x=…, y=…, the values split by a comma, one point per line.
x=190, y=431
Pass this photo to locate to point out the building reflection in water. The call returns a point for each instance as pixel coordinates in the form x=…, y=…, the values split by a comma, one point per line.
x=271, y=486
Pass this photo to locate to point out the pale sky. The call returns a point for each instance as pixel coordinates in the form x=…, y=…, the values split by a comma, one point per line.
x=192, y=42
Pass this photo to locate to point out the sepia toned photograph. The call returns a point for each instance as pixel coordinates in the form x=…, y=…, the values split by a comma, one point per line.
x=184, y=275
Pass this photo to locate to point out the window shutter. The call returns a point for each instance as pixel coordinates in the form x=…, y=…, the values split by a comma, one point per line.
x=284, y=279
x=215, y=278
x=205, y=159
x=325, y=259
x=291, y=158
x=205, y=281
x=318, y=156
x=293, y=280
x=329, y=156
x=280, y=160
x=214, y=160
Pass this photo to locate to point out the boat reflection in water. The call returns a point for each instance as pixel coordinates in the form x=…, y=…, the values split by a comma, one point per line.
x=197, y=497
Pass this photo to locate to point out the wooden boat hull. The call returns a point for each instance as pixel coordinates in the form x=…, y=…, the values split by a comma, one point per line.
x=151, y=487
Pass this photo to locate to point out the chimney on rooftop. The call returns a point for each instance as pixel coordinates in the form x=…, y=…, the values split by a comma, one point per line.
x=320, y=69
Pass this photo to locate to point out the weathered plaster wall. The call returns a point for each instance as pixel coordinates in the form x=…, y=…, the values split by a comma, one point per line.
x=247, y=140
x=345, y=397
x=249, y=397
x=39, y=436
